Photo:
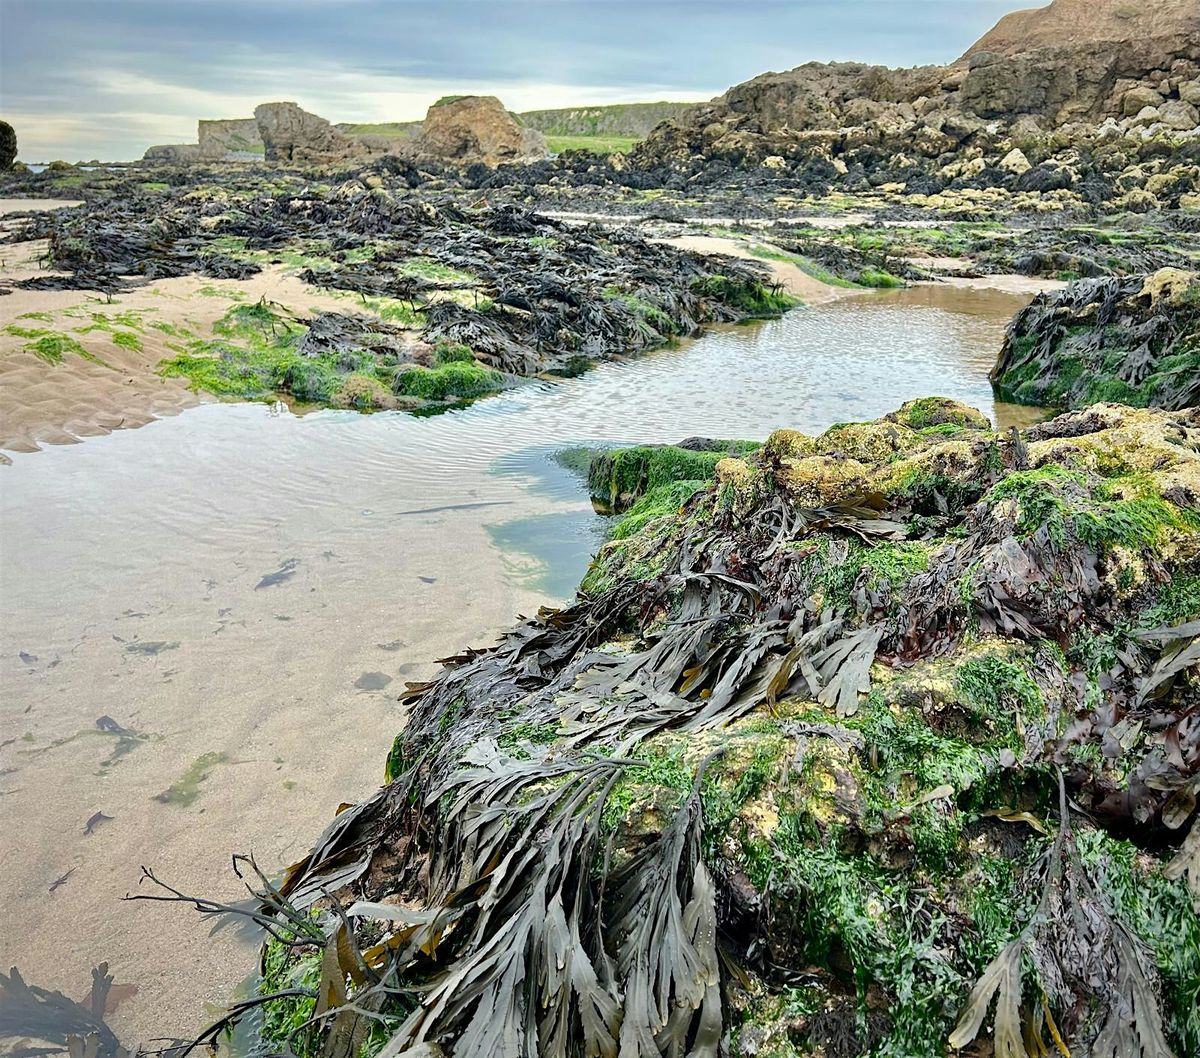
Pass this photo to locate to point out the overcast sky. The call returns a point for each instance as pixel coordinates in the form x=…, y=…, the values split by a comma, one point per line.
x=107, y=78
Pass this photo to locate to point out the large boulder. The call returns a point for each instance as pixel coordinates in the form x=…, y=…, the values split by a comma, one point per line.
x=1138, y=97
x=1178, y=115
x=291, y=134
x=470, y=129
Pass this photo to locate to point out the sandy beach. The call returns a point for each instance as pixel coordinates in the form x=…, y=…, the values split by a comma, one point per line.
x=106, y=385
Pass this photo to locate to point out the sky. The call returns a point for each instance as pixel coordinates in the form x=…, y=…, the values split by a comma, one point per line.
x=82, y=79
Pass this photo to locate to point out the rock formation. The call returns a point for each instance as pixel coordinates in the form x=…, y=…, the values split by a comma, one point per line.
x=1081, y=59
x=219, y=139
x=469, y=129
x=841, y=739
x=8, y=145
x=1088, y=69
x=290, y=134
x=458, y=130
x=172, y=153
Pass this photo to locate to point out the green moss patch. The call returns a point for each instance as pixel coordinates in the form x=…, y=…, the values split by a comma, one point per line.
x=455, y=380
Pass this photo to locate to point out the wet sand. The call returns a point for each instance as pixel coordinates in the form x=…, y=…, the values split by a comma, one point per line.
x=254, y=661
x=115, y=387
x=794, y=280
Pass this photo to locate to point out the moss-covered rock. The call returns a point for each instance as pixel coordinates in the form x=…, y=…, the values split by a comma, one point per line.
x=1135, y=340
x=453, y=380
x=620, y=478
x=814, y=753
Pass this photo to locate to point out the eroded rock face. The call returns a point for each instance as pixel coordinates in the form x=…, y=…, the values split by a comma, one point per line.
x=218, y=139
x=291, y=134
x=1076, y=59
x=470, y=129
x=1068, y=68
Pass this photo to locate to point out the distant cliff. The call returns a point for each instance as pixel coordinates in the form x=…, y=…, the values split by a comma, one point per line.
x=620, y=119
x=229, y=136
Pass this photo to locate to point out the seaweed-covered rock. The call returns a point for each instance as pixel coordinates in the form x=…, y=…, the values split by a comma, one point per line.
x=1133, y=340
x=618, y=479
x=868, y=732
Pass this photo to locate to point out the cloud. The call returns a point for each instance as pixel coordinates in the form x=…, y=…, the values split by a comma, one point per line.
x=84, y=79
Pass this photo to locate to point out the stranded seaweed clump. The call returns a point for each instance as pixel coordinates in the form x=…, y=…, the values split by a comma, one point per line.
x=879, y=742
x=1134, y=340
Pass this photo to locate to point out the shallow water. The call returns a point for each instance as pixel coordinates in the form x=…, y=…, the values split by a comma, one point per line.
x=242, y=592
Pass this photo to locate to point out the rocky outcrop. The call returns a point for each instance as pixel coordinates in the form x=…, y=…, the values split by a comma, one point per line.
x=458, y=130
x=290, y=134
x=1081, y=60
x=1078, y=71
x=233, y=136
x=172, y=154
x=1135, y=340
x=908, y=706
x=468, y=129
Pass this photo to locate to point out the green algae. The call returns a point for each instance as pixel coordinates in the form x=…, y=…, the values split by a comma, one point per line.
x=880, y=278
x=452, y=353
x=127, y=340
x=52, y=346
x=753, y=298
x=618, y=478
x=454, y=380
x=1178, y=602
x=660, y=502
x=1117, y=512
x=185, y=790
x=988, y=684
x=255, y=354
